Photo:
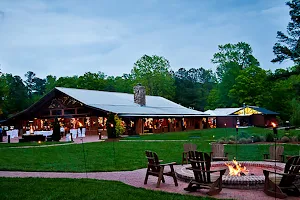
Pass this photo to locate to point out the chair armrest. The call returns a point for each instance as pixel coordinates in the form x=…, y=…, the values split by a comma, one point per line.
x=198, y=161
x=166, y=164
x=279, y=173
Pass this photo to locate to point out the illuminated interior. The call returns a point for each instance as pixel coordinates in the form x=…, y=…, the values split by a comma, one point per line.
x=247, y=111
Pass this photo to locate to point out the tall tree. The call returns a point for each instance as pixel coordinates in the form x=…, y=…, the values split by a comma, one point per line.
x=29, y=82
x=17, y=98
x=240, y=54
x=288, y=46
x=251, y=86
x=50, y=83
x=193, y=87
x=154, y=73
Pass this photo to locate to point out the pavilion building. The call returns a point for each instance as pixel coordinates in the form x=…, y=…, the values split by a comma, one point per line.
x=76, y=108
x=242, y=116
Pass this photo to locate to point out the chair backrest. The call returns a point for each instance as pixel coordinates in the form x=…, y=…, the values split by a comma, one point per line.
x=217, y=149
x=279, y=151
x=292, y=166
x=200, y=161
x=189, y=147
x=153, y=161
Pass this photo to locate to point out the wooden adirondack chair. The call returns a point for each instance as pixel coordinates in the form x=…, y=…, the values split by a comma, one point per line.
x=275, y=186
x=270, y=157
x=185, y=153
x=218, y=153
x=155, y=168
x=201, y=163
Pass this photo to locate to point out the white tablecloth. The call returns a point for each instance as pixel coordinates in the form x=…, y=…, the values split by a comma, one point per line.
x=12, y=133
x=74, y=133
x=81, y=134
x=68, y=137
x=44, y=133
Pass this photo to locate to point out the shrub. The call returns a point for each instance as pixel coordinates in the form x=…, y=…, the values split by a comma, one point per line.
x=222, y=140
x=299, y=137
x=120, y=128
x=270, y=137
x=294, y=139
x=243, y=141
x=262, y=138
x=257, y=138
x=285, y=139
x=249, y=140
x=231, y=142
x=232, y=138
x=243, y=134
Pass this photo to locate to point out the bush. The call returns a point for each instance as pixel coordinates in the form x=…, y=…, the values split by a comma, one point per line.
x=231, y=142
x=270, y=137
x=232, y=138
x=249, y=140
x=294, y=139
x=243, y=141
x=120, y=128
x=222, y=140
x=285, y=139
x=257, y=138
x=243, y=134
x=299, y=137
x=262, y=138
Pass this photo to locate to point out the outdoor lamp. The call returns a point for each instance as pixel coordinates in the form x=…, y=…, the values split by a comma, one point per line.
x=237, y=129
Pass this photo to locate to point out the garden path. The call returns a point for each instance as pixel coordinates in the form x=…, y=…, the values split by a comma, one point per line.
x=136, y=178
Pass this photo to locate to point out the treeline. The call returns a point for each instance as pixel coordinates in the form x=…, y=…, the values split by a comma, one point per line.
x=238, y=79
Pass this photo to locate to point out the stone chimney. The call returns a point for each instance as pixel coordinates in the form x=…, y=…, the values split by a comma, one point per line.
x=139, y=94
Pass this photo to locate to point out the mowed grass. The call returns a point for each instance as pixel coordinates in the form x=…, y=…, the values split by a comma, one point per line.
x=39, y=188
x=125, y=155
x=3, y=145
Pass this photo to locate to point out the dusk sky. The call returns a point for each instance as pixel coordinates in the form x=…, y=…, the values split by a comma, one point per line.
x=68, y=37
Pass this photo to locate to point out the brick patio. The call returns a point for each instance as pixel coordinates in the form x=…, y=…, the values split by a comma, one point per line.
x=136, y=178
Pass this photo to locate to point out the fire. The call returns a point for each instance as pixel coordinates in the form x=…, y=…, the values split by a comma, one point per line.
x=80, y=124
x=237, y=169
x=273, y=124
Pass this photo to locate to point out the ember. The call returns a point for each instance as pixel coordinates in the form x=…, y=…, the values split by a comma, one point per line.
x=236, y=169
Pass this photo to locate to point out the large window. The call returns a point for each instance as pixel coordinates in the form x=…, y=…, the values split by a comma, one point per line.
x=69, y=111
x=56, y=112
x=82, y=111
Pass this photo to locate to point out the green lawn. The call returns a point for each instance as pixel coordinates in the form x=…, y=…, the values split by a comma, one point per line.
x=124, y=155
x=39, y=188
x=211, y=134
x=4, y=145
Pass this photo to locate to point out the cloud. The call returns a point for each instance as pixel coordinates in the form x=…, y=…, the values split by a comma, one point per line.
x=65, y=38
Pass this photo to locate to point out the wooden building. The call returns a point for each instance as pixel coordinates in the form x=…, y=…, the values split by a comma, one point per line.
x=76, y=108
x=243, y=116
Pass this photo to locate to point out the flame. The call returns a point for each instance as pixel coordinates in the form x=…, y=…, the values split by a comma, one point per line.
x=237, y=169
x=80, y=124
x=273, y=124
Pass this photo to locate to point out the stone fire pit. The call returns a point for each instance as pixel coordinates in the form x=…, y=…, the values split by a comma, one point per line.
x=254, y=180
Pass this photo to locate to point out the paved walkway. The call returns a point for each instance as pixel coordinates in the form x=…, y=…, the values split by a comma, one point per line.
x=136, y=178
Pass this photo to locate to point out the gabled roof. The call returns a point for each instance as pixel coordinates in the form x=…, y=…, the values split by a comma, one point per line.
x=264, y=110
x=222, y=111
x=231, y=111
x=123, y=103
